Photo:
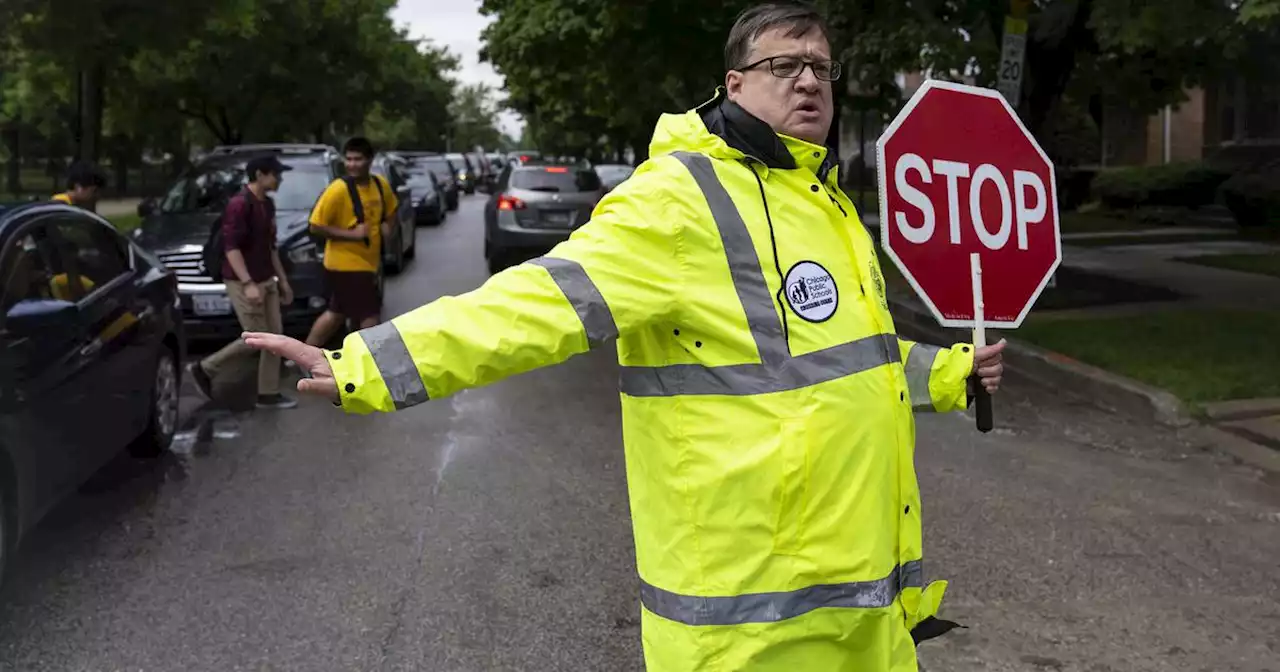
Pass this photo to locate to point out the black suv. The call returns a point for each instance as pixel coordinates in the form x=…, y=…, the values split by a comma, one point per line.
x=176, y=226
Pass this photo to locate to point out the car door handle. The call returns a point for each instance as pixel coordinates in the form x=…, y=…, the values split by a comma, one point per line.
x=91, y=349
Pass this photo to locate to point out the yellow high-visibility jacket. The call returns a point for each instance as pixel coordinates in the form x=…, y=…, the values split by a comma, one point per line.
x=767, y=401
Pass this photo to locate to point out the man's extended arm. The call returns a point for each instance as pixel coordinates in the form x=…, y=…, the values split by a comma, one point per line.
x=582, y=294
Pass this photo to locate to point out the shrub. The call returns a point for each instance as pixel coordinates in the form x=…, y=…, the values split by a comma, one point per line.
x=1176, y=184
x=1253, y=196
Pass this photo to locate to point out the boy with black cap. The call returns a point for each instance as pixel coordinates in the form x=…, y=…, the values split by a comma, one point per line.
x=256, y=282
x=83, y=182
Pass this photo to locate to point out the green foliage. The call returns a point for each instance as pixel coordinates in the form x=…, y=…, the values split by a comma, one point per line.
x=586, y=72
x=1199, y=355
x=1254, y=196
x=1175, y=184
x=233, y=71
x=475, y=118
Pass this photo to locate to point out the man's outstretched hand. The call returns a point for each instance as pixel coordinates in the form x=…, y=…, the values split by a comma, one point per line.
x=988, y=363
x=307, y=357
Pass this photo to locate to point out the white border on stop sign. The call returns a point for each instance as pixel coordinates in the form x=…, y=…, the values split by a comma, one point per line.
x=882, y=187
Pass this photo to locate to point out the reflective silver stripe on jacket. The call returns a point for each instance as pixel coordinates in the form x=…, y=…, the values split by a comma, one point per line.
x=744, y=265
x=777, y=371
x=773, y=607
x=919, y=367
x=584, y=296
x=394, y=362
x=748, y=379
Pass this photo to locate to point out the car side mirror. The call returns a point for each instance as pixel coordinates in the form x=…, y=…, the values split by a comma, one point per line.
x=147, y=207
x=33, y=317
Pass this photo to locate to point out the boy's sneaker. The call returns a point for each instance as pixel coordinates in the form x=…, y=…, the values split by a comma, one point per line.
x=277, y=401
x=204, y=385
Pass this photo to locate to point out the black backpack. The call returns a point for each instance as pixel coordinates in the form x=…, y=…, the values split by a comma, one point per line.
x=215, y=249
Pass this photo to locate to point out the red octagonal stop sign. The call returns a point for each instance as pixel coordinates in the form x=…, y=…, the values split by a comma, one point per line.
x=960, y=174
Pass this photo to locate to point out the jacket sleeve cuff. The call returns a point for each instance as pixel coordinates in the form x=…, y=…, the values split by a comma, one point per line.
x=361, y=389
x=948, y=380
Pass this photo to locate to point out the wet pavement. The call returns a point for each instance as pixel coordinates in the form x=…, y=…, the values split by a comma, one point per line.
x=490, y=531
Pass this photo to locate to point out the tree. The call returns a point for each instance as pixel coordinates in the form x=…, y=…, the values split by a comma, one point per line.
x=106, y=34
x=475, y=118
x=579, y=68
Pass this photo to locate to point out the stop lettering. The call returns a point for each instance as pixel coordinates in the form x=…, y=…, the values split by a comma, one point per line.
x=959, y=174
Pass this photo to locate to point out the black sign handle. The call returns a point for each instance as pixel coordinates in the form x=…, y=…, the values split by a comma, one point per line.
x=981, y=405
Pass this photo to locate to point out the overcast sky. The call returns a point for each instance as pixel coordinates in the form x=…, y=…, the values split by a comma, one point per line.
x=456, y=24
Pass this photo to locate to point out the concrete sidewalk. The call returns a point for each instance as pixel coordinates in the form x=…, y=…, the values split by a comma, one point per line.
x=1204, y=285
x=112, y=207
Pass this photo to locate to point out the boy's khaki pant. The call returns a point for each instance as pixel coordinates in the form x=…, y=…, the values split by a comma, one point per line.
x=264, y=317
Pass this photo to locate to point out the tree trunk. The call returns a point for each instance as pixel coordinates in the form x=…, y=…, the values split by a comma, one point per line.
x=13, y=170
x=1051, y=66
x=90, y=106
x=121, y=164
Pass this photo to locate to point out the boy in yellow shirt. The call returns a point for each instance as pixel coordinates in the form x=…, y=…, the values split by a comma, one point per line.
x=354, y=242
x=83, y=182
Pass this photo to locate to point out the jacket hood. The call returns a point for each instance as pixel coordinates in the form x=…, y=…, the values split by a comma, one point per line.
x=722, y=129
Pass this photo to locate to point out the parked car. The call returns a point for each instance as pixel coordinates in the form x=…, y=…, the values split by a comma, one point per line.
x=534, y=208
x=92, y=339
x=176, y=226
x=442, y=168
x=428, y=198
x=399, y=242
x=466, y=171
x=485, y=179
x=613, y=174
x=498, y=162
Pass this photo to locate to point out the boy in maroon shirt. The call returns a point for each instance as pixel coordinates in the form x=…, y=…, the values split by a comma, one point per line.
x=256, y=282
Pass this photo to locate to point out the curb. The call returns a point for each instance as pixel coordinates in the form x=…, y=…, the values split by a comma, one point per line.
x=1103, y=388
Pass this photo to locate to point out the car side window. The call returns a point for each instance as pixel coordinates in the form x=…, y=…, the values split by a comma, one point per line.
x=27, y=269
x=397, y=178
x=89, y=250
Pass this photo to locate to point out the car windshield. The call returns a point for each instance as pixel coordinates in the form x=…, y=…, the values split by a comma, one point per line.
x=555, y=178
x=614, y=173
x=207, y=189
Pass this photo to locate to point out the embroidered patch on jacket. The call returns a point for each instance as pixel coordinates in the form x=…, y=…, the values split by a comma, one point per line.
x=811, y=291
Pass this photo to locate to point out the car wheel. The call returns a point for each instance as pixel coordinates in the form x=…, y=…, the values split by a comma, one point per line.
x=499, y=261
x=163, y=421
x=397, y=259
x=413, y=247
x=453, y=204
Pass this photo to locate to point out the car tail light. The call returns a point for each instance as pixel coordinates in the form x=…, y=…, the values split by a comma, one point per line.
x=506, y=202
x=557, y=169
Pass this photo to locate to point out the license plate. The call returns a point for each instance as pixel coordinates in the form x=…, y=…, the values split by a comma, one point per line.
x=211, y=304
x=558, y=218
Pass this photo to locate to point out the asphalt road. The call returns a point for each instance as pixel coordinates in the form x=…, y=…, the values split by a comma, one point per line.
x=490, y=531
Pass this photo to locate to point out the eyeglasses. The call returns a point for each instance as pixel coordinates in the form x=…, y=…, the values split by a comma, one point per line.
x=790, y=67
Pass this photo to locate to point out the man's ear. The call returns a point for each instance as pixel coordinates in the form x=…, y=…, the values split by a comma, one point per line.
x=733, y=83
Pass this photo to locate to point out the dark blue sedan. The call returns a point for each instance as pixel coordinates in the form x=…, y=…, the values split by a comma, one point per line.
x=90, y=344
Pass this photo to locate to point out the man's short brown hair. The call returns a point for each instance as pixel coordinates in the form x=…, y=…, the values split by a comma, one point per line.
x=796, y=18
